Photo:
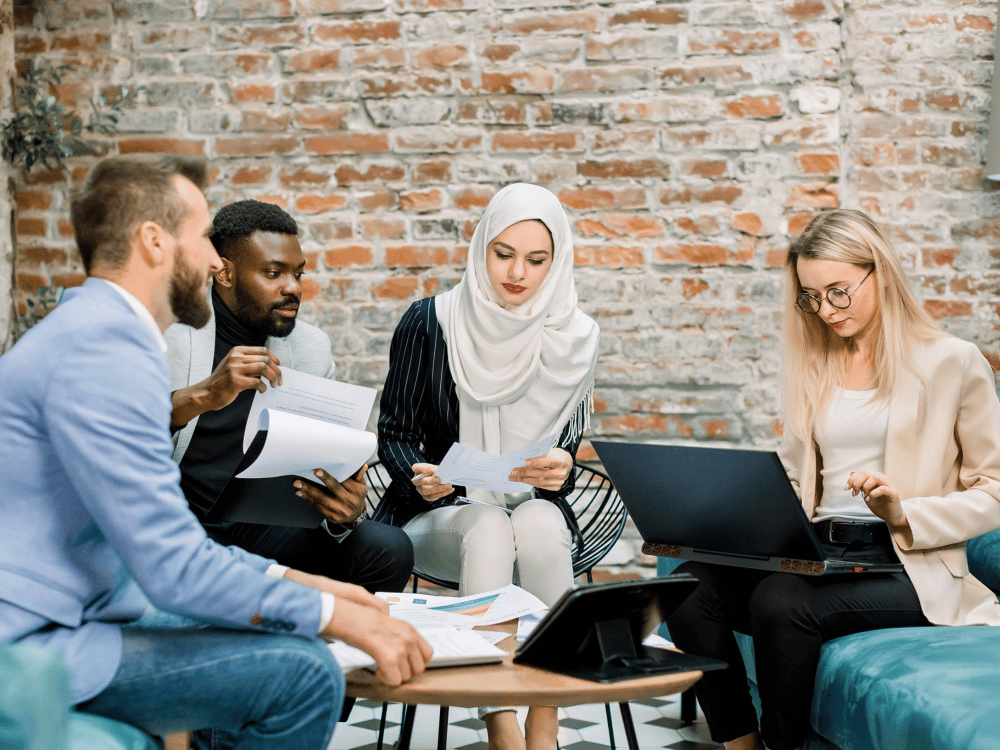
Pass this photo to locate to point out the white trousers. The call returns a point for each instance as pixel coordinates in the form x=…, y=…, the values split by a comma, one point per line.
x=480, y=547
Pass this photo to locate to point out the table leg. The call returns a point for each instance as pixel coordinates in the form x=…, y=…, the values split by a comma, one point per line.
x=611, y=728
x=443, y=729
x=689, y=709
x=406, y=728
x=381, y=725
x=633, y=742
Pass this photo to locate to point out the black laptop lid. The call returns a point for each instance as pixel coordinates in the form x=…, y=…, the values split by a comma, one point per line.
x=737, y=502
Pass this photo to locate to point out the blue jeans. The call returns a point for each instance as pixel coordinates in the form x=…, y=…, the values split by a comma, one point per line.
x=262, y=690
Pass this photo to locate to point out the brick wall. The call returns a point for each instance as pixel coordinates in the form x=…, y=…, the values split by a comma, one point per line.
x=686, y=139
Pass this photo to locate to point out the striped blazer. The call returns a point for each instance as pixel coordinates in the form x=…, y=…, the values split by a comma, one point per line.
x=418, y=417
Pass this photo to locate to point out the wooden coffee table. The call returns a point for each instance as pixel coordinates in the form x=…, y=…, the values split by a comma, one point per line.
x=509, y=684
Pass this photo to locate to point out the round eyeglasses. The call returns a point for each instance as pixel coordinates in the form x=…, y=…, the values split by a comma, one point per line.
x=837, y=297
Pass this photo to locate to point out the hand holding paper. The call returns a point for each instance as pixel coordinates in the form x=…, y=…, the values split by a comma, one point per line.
x=467, y=466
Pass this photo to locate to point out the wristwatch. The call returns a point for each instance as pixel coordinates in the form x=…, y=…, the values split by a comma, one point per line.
x=350, y=525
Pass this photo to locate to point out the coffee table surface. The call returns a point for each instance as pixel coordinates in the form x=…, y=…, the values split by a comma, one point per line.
x=509, y=684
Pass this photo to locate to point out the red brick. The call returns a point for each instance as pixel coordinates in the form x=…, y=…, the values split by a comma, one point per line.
x=25, y=45
x=798, y=222
x=379, y=56
x=970, y=21
x=738, y=43
x=721, y=193
x=333, y=117
x=432, y=171
x=630, y=424
x=817, y=194
x=440, y=56
x=386, y=229
x=939, y=308
x=359, y=31
x=717, y=428
x=714, y=75
x=500, y=52
x=805, y=10
x=703, y=255
x=756, y=107
x=545, y=141
x=310, y=289
x=30, y=282
x=320, y=203
x=313, y=60
x=623, y=169
x=940, y=256
x=705, y=167
x=940, y=100
x=161, y=146
x=69, y=279
x=396, y=288
x=356, y=255
x=347, y=143
x=650, y=17
x=86, y=42
x=693, y=287
x=552, y=22
x=702, y=225
x=643, y=140
x=254, y=92
x=608, y=255
x=434, y=140
x=332, y=230
x=303, y=176
x=424, y=256
x=267, y=122
x=250, y=176
x=65, y=228
x=533, y=81
x=590, y=198
x=260, y=37
x=38, y=200
x=606, y=79
x=818, y=163
x=39, y=256
x=474, y=198
x=749, y=223
x=620, y=225
x=414, y=201
x=377, y=199
x=256, y=146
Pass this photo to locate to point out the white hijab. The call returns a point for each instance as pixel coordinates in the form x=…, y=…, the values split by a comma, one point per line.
x=521, y=371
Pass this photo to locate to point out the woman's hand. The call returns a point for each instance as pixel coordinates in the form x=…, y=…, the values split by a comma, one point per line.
x=547, y=472
x=425, y=479
x=881, y=496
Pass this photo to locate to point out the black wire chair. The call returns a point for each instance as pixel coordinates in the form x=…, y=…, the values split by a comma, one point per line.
x=601, y=516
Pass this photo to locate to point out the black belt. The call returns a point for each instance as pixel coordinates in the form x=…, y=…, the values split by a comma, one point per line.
x=853, y=532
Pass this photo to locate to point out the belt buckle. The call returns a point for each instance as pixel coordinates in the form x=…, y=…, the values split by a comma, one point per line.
x=846, y=526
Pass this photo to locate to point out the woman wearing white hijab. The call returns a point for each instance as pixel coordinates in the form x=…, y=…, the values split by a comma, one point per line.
x=501, y=361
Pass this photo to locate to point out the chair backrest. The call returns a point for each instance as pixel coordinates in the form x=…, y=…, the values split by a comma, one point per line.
x=595, y=503
x=600, y=513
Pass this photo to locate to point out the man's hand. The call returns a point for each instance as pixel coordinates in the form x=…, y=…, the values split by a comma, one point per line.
x=344, y=502
x=244, y=367
x=427, y=482
x=547, y=472
x=400, y=652
x=342, y=591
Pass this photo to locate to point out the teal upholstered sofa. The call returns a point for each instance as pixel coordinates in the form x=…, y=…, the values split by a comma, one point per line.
x=35, y=711
x=934, y=688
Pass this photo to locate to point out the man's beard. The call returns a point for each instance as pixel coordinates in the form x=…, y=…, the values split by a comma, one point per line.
x=263, y=320
x=187, y=294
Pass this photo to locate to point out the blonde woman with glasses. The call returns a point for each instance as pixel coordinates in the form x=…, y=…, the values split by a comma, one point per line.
x=892, y=440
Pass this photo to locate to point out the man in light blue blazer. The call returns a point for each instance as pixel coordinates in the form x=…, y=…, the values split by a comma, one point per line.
x=96, y=532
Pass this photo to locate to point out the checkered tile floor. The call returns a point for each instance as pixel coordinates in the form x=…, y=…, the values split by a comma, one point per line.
x=657, y=725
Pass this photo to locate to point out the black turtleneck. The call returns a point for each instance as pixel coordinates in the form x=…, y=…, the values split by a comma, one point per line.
x=217, y=444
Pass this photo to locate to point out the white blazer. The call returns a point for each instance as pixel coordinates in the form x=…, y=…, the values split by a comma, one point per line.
x=942, y=453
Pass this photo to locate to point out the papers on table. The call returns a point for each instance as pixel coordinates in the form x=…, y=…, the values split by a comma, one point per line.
x=489, y=608
x=311, y=423
x=469, y=467
x=451, y=648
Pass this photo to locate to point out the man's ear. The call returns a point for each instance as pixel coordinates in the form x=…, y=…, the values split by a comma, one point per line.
x=226, y=275
x=151, y=243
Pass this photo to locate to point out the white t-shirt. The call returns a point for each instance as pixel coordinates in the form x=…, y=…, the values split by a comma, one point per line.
x=852, y=437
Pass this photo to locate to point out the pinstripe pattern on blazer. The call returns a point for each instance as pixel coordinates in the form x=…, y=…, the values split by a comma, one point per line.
x=418, y=417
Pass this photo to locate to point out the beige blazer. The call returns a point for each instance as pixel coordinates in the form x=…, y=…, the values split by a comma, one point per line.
x=942, y=453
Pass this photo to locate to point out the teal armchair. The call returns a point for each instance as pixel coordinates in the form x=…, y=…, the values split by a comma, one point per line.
x=35, y=712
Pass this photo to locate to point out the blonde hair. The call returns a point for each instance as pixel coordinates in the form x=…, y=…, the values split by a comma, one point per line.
x=814, y=355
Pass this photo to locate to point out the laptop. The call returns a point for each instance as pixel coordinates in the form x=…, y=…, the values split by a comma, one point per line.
x=718, y=505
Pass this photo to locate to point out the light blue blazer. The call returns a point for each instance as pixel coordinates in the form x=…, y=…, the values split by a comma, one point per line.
x=93, y=525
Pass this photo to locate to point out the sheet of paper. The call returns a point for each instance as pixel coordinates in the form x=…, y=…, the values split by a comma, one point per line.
x=451, y=647
x=469, y=467
x=297, y=445
x=314, y=397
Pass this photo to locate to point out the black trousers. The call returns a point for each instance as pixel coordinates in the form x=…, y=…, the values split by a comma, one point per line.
x=789, y=618
x=374, y=555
